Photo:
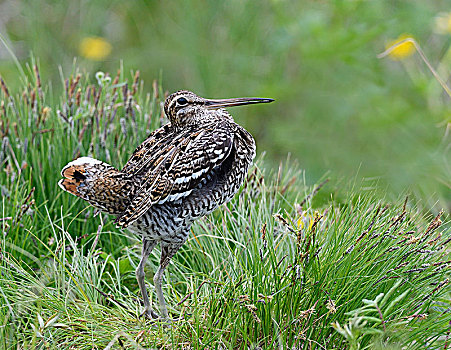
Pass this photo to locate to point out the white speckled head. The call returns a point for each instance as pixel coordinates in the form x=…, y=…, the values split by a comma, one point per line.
x=185, y=107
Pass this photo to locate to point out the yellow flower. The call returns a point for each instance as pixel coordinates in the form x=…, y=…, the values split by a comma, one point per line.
x=401, y=51
x=305, y=222
x=95, y=48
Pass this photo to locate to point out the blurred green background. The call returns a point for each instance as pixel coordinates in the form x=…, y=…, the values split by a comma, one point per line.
x=339, y=108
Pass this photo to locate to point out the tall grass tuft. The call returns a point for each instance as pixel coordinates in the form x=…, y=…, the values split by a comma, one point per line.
x=271, y=269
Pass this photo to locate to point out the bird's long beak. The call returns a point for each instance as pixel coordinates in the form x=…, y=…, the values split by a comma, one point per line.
x=240, y=101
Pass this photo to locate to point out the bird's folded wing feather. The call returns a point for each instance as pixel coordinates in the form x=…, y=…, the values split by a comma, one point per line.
x=177, y=167
x=140, y=156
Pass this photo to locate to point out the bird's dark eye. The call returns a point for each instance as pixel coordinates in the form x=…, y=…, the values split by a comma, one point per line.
x=182, y=101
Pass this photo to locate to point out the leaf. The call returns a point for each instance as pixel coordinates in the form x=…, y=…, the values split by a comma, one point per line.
x=125, y=266
x=390, y=292
x=394, y=302
x=36, y=331
x=373, y=331
x=41, y=321
x=378, y=298
x=60, y=325
x=106, y=257
x=363, y=310
x=373, y=302
x=372, y=319
x=51, y=321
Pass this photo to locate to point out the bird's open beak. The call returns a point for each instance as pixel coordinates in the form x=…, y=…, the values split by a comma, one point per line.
x=240, y=101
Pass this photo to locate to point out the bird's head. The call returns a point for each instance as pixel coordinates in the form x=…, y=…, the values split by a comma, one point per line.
x=185, y=107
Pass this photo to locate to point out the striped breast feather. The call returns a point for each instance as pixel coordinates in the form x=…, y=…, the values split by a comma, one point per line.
x=179, y=169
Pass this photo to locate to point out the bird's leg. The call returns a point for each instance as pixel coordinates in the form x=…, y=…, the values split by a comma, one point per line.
x=140, y=276
x=167, y=252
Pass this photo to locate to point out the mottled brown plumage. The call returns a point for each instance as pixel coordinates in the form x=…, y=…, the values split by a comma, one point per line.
x=181, y=172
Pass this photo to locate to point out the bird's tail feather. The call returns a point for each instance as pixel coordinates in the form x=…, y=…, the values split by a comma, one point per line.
x=103, y=186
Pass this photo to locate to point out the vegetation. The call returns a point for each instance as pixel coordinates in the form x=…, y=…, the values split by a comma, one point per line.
x=339, y=108
x=279, y=266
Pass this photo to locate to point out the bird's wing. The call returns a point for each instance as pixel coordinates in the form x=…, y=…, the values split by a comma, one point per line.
x=141, y=154
x=177, y=168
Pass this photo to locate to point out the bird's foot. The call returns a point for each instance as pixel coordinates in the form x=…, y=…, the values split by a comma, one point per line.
x=150, y=314
x=157, y=320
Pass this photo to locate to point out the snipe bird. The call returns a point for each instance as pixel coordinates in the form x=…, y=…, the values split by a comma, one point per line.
x=181, y=172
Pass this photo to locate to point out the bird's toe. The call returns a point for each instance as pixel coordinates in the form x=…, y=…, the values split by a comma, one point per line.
x=150, y=314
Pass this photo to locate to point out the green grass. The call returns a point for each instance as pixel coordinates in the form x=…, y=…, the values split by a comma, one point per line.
x=277, y=267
